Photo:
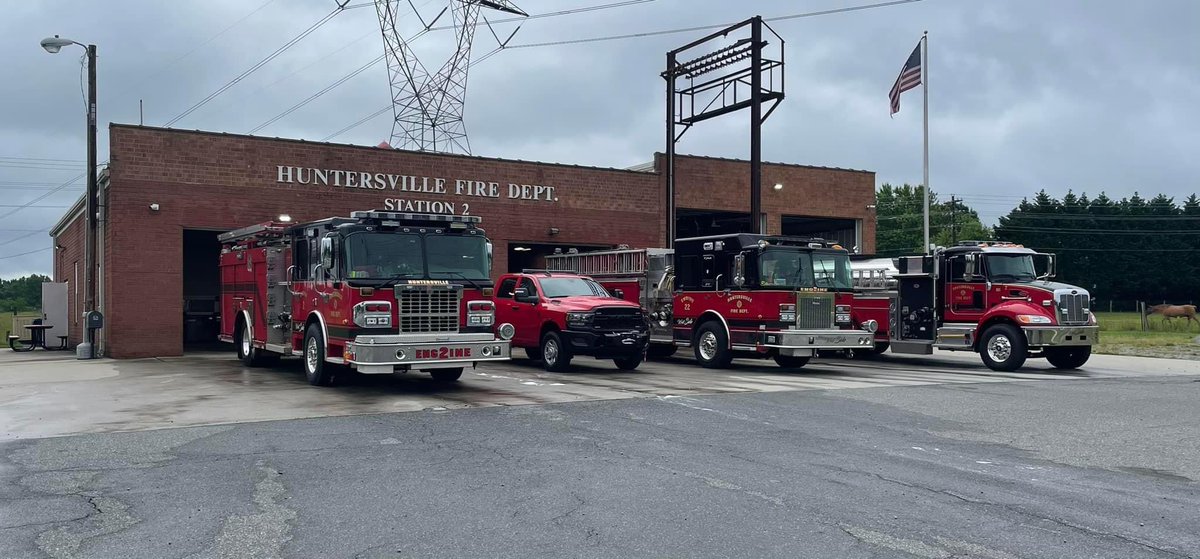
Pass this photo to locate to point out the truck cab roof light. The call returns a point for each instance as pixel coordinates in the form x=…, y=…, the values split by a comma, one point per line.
x=373, y=214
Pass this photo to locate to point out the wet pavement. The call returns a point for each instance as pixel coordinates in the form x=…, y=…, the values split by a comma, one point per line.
x=49, y=394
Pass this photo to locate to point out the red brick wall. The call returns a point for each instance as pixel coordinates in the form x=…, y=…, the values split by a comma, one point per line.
x=71, y=239
x=222, y=182
x=723, y=184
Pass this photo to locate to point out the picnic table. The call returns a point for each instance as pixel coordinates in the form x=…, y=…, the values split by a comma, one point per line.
x=37, y=338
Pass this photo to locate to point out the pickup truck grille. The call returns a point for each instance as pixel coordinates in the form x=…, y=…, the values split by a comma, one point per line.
x=814, y=310
x=428, y=308
x=618, y=319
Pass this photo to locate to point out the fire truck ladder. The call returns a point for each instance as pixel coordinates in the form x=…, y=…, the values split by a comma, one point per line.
x=608, y=263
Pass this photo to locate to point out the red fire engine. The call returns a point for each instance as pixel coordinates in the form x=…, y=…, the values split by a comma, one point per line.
x=983, y=297
x=738, y=295
x=378, y=292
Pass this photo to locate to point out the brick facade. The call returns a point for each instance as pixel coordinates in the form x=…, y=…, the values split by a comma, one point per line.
x=220, y=182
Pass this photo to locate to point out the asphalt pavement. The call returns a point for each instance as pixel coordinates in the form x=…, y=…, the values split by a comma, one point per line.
x=1099, y=464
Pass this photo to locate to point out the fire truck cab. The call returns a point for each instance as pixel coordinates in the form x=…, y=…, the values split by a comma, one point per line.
x=985, y=297
x=745, y=295
x=377, y=292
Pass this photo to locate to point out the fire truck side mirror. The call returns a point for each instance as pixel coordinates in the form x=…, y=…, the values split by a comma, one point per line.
x=1050, y=267
x=739, y=270
x=969, y=265
x=327, y=253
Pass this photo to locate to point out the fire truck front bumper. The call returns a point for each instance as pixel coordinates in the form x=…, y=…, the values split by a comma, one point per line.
x=801, y=343
x=1055, y=336
x=386, y=354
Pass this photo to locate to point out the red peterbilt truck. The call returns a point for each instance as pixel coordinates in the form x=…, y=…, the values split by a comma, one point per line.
x=558, y=315
x=737, y=295
x=378, y=292
x=982, y=297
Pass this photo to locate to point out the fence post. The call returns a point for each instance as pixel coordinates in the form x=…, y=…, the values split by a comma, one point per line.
x=1142, y=314
x=1110, y=306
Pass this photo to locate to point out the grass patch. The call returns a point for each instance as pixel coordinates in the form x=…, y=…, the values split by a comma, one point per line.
x=1121, y=334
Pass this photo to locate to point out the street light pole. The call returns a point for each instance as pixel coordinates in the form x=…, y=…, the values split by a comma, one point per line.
x=92, y=197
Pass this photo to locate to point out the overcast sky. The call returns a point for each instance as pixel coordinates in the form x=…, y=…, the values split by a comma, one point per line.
x=1025, y=94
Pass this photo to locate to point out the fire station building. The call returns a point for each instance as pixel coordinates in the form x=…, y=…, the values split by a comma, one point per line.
x=167, y=194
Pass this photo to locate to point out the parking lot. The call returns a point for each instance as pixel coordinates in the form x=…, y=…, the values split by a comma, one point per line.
x=47, y=394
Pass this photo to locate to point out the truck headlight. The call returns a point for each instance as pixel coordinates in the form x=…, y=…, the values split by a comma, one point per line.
x=580, y=319
x=1033, y=319
x=372, y=314
x=506, y=331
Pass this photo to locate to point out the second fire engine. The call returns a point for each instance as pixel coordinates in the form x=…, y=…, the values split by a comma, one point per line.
x=378, y=292
x=737, y=295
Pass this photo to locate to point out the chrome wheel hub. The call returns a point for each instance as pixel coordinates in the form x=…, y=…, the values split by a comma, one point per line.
x=246, y=341
x=311, y=355
x=999, y=348
x=708, y=346
x=550, y=352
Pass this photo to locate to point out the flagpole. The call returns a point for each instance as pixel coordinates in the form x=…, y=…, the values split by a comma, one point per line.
x=925, y=113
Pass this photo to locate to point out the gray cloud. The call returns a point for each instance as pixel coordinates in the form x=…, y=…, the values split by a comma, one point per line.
x=1095, y=95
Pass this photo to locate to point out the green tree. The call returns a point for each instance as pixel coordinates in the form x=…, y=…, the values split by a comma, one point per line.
x=22, y=294
x=899, y=225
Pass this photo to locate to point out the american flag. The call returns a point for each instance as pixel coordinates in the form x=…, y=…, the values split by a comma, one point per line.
x=910, y=77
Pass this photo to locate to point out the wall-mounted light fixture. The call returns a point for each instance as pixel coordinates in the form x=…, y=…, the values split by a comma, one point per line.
x=870, y=206
x=778, y=186
x=154, y=207
x=285, y=218
x=553, y=230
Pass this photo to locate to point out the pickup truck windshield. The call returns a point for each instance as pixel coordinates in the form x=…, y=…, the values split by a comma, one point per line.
x=571, y=287
x=804, y=269
x=403, y=255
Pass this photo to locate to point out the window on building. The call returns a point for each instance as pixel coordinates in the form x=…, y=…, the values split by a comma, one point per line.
x=75, y=310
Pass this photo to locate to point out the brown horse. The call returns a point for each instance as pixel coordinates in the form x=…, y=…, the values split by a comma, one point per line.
x=1168, y=312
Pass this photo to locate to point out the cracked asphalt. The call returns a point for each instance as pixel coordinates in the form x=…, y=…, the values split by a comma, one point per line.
x=1091, y=467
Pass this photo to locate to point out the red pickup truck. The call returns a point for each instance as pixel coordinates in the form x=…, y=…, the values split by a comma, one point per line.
x=559, y=315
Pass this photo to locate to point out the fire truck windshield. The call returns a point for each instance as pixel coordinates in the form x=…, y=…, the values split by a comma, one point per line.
x=1010, y=267
x=403, y=255
x=804, y=269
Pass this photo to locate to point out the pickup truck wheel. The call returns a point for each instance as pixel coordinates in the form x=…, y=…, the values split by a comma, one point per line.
x=533, y=353
x=628, y=363
x=316, y=370
x=556, y=356
x=712, y=346
x=1068, y=357
x=249, y=355
x=446, y=375
x=791, y=361
x=1003, y=348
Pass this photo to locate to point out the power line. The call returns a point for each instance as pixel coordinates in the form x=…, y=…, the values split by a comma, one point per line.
x=24, y=253
x=261, y=63
x=709, y=27
x=473, y=63
x=25, y=236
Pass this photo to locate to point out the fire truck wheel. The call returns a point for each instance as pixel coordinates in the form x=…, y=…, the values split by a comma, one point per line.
x=712, y=346
x=533, y=353
x=1068, y=357
x=1003, y=348
x=249, y=355
x=880, y=348
x=446, y=375
x=628, y=363
x=791, y=361
x=317, y=371
x=556, y=356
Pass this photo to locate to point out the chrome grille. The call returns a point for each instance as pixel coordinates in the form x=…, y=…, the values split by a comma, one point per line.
x=1072, y=306
x=428, y=308
x=618, y=319
x=814, y=310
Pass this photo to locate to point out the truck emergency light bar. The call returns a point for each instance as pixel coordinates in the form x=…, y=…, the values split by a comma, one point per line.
x=398, y=216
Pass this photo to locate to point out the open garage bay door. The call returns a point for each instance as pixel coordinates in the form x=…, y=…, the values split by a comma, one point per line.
x=845, y=232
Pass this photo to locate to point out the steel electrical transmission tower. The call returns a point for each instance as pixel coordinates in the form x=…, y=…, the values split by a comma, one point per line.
x=429, y=107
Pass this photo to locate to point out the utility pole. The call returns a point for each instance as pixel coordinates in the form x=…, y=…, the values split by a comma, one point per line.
x=953, y=220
